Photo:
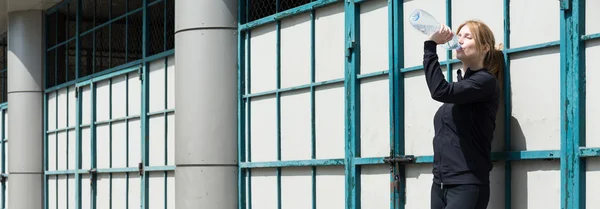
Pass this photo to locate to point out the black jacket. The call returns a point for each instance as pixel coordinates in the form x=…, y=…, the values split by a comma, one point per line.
x=464, y=124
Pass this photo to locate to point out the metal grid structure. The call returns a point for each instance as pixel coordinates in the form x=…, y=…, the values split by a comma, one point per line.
x=572, y=153
x=98, y=85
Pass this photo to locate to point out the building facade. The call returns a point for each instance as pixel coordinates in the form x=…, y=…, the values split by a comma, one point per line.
x=276, y=104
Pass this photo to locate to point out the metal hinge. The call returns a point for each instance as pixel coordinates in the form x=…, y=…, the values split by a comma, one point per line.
x=140, y=73
x=92, y=173
x=141, y=168
x=76, y=91
x=3, y=177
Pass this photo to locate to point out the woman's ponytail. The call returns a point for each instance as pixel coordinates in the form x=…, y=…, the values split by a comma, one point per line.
x=495, y=64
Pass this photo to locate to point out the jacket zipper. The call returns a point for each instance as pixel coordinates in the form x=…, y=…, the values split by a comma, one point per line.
x=442, y=148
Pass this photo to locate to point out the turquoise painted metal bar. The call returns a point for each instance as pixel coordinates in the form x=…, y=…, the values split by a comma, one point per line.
x=3, y=171
x=589, y=152
x=572, y=108
x=313, y=137
x=278, y=99
x=590, y=37
x=60, y=172
x=249, y=113
x=126, y=118
x=533, y=47
x=306, y=86
x=352, y=105
x=394, y=175
x=449, y=52
x=78, y=155
x=161, y=112
x=399, y=90
x=145, y=107
x=241, y=107
x=373, y=74
x=287, y=13
x=61, y=130
x=94, y=154
x=298, y=163
x=507, y=107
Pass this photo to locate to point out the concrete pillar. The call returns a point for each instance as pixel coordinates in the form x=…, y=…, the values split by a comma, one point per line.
x=25, y=120
x=205, y=104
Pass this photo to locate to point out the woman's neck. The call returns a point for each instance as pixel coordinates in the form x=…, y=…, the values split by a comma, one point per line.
x=475, y=66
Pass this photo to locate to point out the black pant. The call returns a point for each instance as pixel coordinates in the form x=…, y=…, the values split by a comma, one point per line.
x=466, y=196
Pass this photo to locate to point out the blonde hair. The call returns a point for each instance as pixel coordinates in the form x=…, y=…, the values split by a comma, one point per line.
x=494, y=59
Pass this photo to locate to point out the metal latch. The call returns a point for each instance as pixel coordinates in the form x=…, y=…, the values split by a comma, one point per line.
x=395, y=185
x=141, y=168
x=92, y=173
x=3, y=177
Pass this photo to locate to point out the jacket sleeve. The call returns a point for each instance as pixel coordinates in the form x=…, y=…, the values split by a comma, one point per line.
x=478, y=87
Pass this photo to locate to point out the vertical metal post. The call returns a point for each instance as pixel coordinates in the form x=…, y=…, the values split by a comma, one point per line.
x=313, y=141
x=397, y=100
x=241, y=105
x=572, y=80
x=352, y=104
x=145, y=184
x=449, y=52
x=507, y=108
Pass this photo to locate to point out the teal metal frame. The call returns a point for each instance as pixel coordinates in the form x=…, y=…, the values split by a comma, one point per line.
x=140, y=66
x=3, y=141
x=572, y=153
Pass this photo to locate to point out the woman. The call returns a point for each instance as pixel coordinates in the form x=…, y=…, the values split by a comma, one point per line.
x=465, y=123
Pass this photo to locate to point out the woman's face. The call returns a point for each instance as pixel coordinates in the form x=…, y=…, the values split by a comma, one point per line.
x=468, y=51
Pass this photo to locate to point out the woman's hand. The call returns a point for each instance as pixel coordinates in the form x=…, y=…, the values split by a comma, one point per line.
x=442, y=36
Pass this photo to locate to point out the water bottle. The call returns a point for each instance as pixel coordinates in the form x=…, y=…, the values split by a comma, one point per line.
x=424, y=22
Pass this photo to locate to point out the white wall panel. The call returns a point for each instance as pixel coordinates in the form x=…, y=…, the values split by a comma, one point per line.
x=134, y=94
x=263, y=53
x=72, y=149
x=102, y=100
x=170, y=190
x=592, y=93
x=527, y=29
x=171, y=82
x=62, y=150
x=156, y=190
x=72, y=105
x=86, y=108
x=329, y=121
x=62, y=191
x=52, y=145
x=535, y=184
x=86, y=153
x=295, y=50
x=492, y=16
x=134, y=141
x=375, y=117
x=119, y=97
x=171, y=139
x=375, y=186
x=296, y=188
x=497, y=186
x=264, y=188
x=413, y=39
x=418, y=186
x=62, y=108
x=119, y=188
x=103, y=191
x=592, y=181
x=535, y=102
x=71, y=191
x=591, y=17
x=157, y=85
x=330, y=189
x=134, y=191
x=52, y=195
x=157, y=140
x=52, y=111
x=86, y=191
x=103, y=146
x=264, y=129
x=374, y=36
x=329, y=42
x=119, y=145
x=295, y=125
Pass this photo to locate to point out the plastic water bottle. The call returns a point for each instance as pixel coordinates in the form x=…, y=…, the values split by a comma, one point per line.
x=424, y=22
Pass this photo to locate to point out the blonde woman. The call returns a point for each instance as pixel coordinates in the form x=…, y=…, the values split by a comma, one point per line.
x=465, y=123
